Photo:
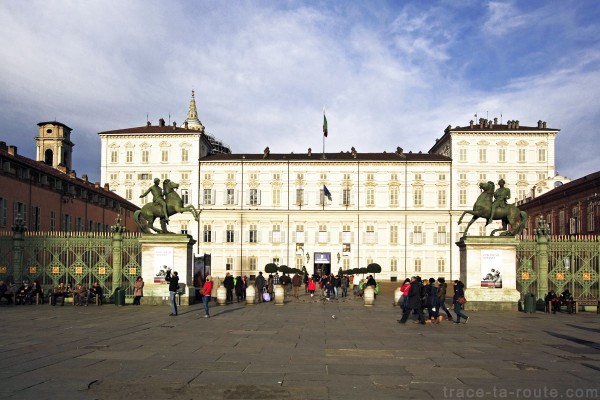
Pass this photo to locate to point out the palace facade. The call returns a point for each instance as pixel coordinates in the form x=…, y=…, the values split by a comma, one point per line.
x=332, y=211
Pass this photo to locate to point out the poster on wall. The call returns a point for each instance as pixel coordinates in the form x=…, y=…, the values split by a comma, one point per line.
x=163, y=260
x=491, y=268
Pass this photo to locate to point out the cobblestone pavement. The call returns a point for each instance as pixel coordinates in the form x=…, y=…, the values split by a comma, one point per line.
x=306, y=349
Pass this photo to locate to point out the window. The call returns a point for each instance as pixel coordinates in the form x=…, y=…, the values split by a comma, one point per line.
x=346, y=234
x=207, y=233
x=541, y=176
x=441, y=265
x=522, y=153
x=230, y=197
x=53, y=221
x=370, y=237
x=114, y=156
x=482, y=155
x=370, y=197
x=163, y=176
x=370, y=176
x=207, y=197
x=541, y=155
x=462, y=176
x=418, y=197
x=230, y=236
x=128, y=193
x=145, y=156
x=252, y=262
x=3, y=213
x=299, y=262
x=482, y=177
x=276, y=234
x=276, y=197
x=253, y=176
x=300, y=177
x=346, y=177
x=502, y=176
x=20, y=211
x=300, y=234
x=114, y=177
x=346, y=197
x=230, y=176
x=561, y=222
x=36, y=219
x=417, y=235
x=185, y=176
x=522, y=177
x=501, y=155
x=394, y=196
x=393, y=265
x=129, y=176
x=253, y=234
x=143, y=200
x=323, y=234
x=393, y=177
x=441, y=198
x=322, y=198
x=462, y=154
x=164, y=157
x=185, y=196
x=184, y=228
x=462, y=197
x=299, y=197
x=574, y=221
x=129, y=156
x=418, y=177
x=521, y=194
x=442, y=237
x=208, y=176
x=254, y=197
x=323, y=177
x=417, y=265
x=228, y=263
x=276, y=177
x=79, y=224
x=441, y=177
x=591, y=225
x=394, y=234
x=66, y=223
x=185, y=155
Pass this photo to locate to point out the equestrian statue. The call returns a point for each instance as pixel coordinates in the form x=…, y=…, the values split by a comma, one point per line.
x=491, y=205
x=165, y=202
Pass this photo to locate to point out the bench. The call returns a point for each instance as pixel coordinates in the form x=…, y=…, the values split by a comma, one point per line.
x=587, y=302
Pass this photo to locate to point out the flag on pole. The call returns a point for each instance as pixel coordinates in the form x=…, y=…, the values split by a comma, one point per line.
x=324, y=125
x=326, y=191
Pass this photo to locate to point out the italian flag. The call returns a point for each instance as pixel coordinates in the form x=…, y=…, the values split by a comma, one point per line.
x=324, y=125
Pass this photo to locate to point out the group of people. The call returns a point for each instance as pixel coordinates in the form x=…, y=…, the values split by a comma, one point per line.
x=27, y=293
x=419, y=295
x=553, y=302
x=81, y=295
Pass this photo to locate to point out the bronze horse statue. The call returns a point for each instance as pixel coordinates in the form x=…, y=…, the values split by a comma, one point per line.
x=152, y=211
x=508, y=214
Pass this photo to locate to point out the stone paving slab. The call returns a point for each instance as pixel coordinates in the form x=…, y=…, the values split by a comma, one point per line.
x=302, y=350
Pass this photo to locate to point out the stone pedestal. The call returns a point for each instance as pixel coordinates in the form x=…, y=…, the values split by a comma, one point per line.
x=488, y=270
x=167, y=251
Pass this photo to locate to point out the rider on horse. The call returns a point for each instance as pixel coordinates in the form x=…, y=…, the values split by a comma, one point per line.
x=157, y=197
x=500, y=196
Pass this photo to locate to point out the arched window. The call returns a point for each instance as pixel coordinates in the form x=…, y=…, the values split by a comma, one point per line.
x=48, y=157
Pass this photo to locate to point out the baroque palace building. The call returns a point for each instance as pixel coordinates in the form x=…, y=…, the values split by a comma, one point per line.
x=331, y=211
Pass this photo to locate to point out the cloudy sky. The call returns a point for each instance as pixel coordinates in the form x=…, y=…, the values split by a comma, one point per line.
x=389, y=73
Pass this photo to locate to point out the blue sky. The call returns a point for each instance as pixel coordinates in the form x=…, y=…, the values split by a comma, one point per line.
x=390, y=73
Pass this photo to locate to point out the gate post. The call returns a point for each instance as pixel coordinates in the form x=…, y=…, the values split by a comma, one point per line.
x=18, y=236
x=541, y=233
x=117, y=256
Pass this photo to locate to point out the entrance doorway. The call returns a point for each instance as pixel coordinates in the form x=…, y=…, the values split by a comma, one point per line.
x=322, y=264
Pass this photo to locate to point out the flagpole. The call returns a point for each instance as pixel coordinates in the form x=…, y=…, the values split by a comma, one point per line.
x=324, y=132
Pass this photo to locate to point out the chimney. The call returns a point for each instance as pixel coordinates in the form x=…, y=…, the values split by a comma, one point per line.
x=148, y=123
x=353, y=151
x=3, y=146
x=309, y=152
x=174, y=125
x=544, y=124
x=399, y=151
x=73, y=174
x=12, y=150
x=540, y=124
x=185, y=125
x=97, y=185
x=471, y=124
x=106, y=186
x=517, y=124
x=62, y=168
x=84, y=177
x=481, y=122
x=496, y=121
x=161, y=122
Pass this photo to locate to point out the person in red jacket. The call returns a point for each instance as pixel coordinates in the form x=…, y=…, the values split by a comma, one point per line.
x=206, y=289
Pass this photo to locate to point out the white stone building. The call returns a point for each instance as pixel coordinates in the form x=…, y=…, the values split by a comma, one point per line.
x=397, y=209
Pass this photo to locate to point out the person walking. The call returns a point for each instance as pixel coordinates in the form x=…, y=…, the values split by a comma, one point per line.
x=229, y=285
x=240, y=288
x=173, y=279
x=206, y=289
x=138, y=290
x=459, y=291
x=443, y=287
x=296, y=283
x=414, y=301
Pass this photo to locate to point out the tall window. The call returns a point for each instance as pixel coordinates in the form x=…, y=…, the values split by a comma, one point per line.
x=79, y=224
x=370, y=235
x=253, y=233
x=394, y=196
x=441, y=265
x=417, y=265
x=541, y=155
x=462, y=197
x=482, y=155
x=252, y=262
x=185, y=153
x=370, y=176
x=185, y=176
x=230, y=197
x=417, y=235
x=393, y=176
x=164, y=155
x=145, y=156
x=36, y=219
x=418, y=197
x=184, y=228
x=300, y=234
x=228, y=263
x=462, y=154
x=441, y=235
x=346, y=197
x=253, y=201
x=323, y=234
x=394, y=234
x=393, y=265
x=114, y=156
x=276, y=235
x=129, y=156
x=276, y=197
x=3, y=212
x=207, y=233
x=502, y=155
x=66, y=223
x=561, y=222
x=185, y=196
x=230, y=236
x=441, y=198
x=52, y=221
x=299, y=197
x=442, y=177
x=207, y=197
x=370, y=196
x=591, y=223
x=522, y=157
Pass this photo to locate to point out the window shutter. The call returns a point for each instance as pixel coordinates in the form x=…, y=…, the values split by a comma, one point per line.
x=259, y=196
x=435, y=239
x=411, y=238
x=225, y=197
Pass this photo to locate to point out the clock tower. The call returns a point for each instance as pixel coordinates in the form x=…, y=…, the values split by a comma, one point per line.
x=54, y=146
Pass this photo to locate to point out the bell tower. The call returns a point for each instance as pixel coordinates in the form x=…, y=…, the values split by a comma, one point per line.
x=54, y=146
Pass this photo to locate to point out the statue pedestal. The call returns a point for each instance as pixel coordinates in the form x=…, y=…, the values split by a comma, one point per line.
x=167, y=251
x=488, y=270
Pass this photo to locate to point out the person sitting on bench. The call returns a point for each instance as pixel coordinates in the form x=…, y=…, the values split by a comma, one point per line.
x=24, y=293
x=60, y=291
x=95, y=291
x=5, y=292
